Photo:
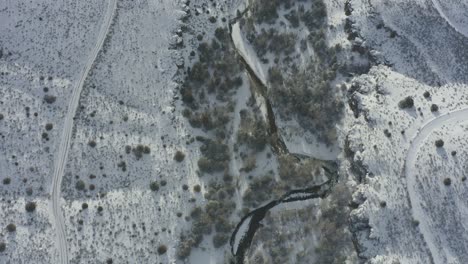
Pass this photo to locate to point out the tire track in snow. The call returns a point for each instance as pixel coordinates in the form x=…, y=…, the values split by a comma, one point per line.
x=59, y=164
x=409, y=172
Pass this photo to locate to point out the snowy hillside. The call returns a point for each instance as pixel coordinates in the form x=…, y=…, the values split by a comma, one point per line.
x=233, y=131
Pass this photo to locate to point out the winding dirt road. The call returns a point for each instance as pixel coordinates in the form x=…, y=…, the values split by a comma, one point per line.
x=60, y=160
x=410, y=169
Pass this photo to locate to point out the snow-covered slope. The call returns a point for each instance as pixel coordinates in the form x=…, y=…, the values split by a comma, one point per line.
x=411, y=191
x=42, y=49
x=143, y=131
x=407, y=206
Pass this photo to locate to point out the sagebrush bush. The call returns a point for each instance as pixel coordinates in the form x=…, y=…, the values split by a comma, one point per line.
x=30, y=207
x=80, y=185
x=447, y=181
x=154, y=186
x=179, y=156
x=11, y=227
x=162, y=249
x=408, y=102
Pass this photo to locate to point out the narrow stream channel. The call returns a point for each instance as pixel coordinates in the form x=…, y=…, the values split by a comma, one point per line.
x=242, y=237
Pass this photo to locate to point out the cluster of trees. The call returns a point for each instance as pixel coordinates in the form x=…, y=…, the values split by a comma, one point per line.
x=215, y=156
x=274, y=42
x=141, y=150
x=214, y=217
x=307, y=96
x=252, y=131
x=298, y=173
x=216, y=72
x=302, y=94
x=215, y=75
x=335, y=242
x=265, y=11
x=215, y=118
x=260, y=190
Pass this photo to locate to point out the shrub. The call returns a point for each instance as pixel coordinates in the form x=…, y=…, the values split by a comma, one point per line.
x=447, y=181
x=196, y=213
x=146, y=150
x=49, y=126
x=2, y=246
x=109, y=261
x=92, y=143
x=210, y=166
x=426, y=94
x=348, y=8
x=162, y=249
x=215, y=156
x=252, y=133
x=282, y=43
x=199, y=73
x=122, y=165
x=30, y=207
x=408, y=102
x=187, y=95
x=1, y=116
x=298, y=173
x=185, y=247
x=140, y=150
x=223, y=225
x=215, y=150
x=6, y=181
x=197, y=188
x=222, y=34
x=84, y=206
x=293, y=18
x=11, y=227
x=439, y=143
x=387, y=133
x=453, y=153
x=265, y=11
x=128, y=149
x=154, y=186
x=50, y=99
x=179, y=156
x=434, y=108
x=80, y=185
x=220, y=239
x=249, y=164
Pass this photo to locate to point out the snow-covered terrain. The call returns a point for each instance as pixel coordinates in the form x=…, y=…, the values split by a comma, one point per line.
x=409, y=160
x=233, y=131
x=62, y=154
